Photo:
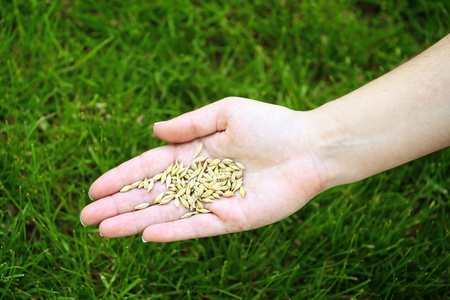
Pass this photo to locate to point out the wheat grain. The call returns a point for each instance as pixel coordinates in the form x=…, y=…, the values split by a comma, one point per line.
x=203, y=180
x=125, y=189
x=165, y=200
x=184, y=203
x=227, y=161
x=145, y=183
x=200, y=159
x=150, y=185
x=198, y=150
x=240, y=166
x=141, y=185
x=157, y=177
x=169, y=168
x=189, y=214
x=142, y=206
x=164, y=176
x=228, y=194
x=168, y=180
x=158, y=198
x=242, y=191
x=136, y=184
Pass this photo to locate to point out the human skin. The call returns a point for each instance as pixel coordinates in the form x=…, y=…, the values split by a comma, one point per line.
x=290, y=156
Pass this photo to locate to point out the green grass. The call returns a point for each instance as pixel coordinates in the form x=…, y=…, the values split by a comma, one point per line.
x=81, y=83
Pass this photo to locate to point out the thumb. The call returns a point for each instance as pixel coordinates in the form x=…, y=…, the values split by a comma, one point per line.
x=198, y=123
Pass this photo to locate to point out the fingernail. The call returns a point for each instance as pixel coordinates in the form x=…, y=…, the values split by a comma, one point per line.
x=143, y=239
x=90, y=197
x=82, y=222
x=156, y=123
x=100, y=233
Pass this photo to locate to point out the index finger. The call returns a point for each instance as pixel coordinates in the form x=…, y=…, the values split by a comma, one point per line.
x=147, y=164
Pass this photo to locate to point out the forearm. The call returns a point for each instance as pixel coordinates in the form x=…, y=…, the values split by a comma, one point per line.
x=397, y=118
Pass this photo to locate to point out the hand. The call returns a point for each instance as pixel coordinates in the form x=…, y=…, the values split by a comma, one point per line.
x=274, y=144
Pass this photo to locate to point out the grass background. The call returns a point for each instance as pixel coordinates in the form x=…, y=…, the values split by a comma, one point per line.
x=82, y=82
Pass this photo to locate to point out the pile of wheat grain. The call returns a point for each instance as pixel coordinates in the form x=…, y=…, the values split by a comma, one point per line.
x=204, y=180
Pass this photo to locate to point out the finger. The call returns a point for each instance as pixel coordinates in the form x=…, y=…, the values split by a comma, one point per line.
x=227, y=216
x=201, y=122
x=135, y=222
x=197, y=226
x=122, y=220
x=118, y=203
x=147, y=164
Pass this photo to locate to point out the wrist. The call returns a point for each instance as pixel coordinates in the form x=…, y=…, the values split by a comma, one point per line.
x=321, y=135
x=331, y=143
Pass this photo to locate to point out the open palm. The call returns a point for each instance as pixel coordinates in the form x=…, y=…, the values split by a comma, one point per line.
x=282, y=173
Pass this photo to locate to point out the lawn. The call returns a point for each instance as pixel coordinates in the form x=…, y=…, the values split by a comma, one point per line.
x=81, y=84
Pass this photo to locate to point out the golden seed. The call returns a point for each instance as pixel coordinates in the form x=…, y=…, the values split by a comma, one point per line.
x=198, y=205
x=174, y=170
x=125, y=189
x=189, y=214
x=191, y=183
x=150, y=185
x=202, y=181
x=181, y=192
x=228, y=194
x=195, y=173
x=145, y=183
x=136, y=184
x=240, y=166
x=157, y=177
x=184, y=202
x=142, y=206
x=207, y=193
x=158, y=198
x=233, y=186
x=200, y=159
x=168, y=180
x=214, y=162
x=163, y=177
x=164, y=201
x=198, y=150
x=141, y=185
x=222, y=177
x=226, y=161
x=242, y=191
x=234, y=167
x=168, y=197
x=238, y=185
